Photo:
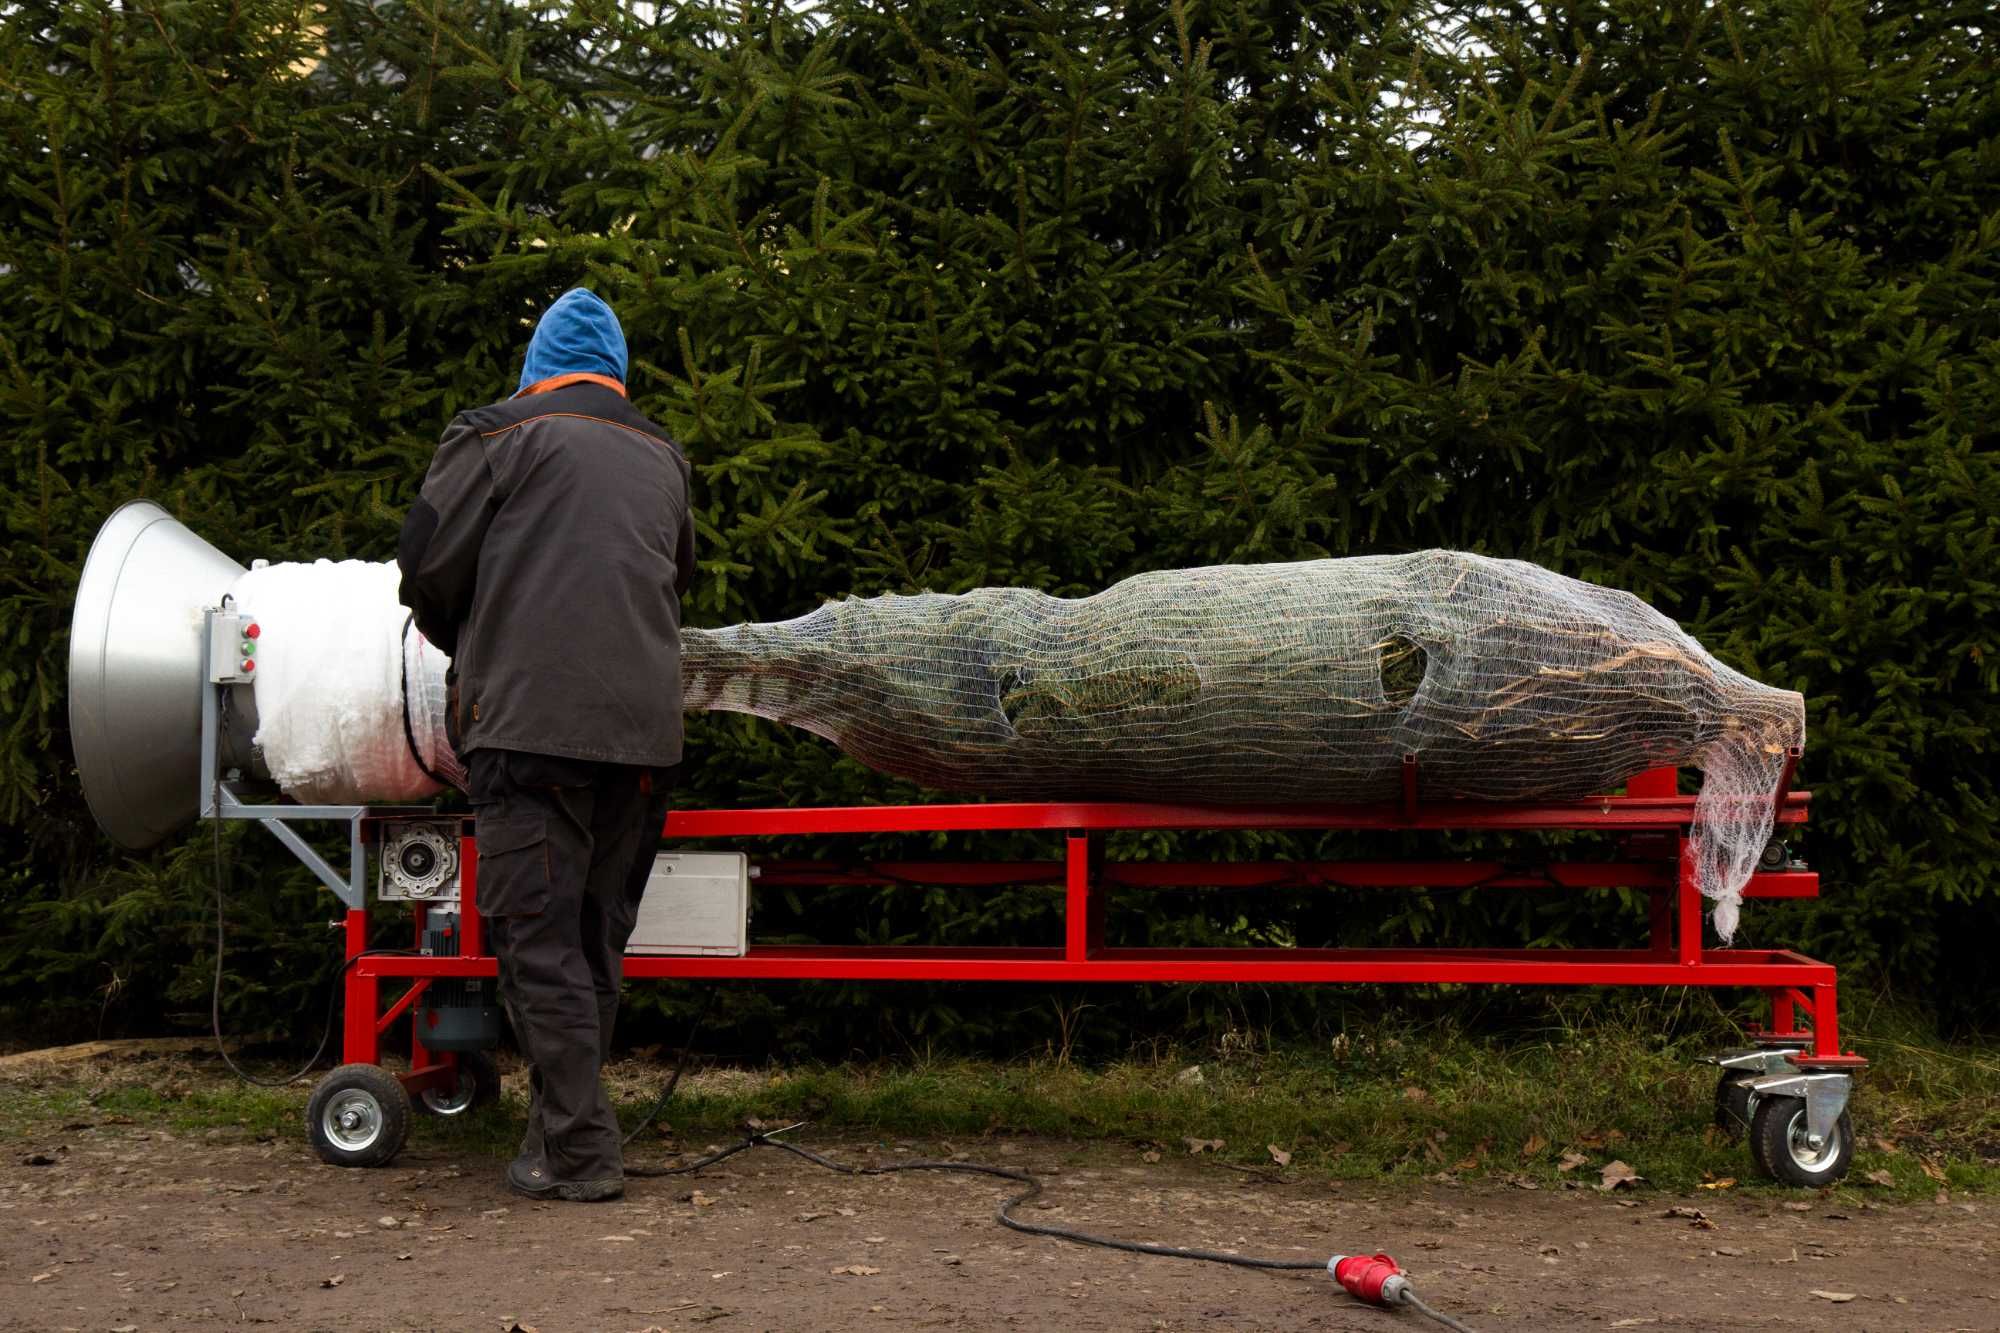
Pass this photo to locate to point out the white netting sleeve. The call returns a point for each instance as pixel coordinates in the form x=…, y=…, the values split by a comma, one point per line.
x=1296, y=682
x=332, y=660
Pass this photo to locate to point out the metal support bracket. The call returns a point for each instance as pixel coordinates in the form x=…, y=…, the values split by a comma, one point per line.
x=1825, y=1096
x=351, y=888
x=1761, y=1059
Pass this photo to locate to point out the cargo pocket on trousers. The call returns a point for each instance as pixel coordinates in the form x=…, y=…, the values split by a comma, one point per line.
x=513, y=865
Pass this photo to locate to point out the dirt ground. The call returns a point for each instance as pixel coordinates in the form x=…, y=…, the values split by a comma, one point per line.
x=131, y=1227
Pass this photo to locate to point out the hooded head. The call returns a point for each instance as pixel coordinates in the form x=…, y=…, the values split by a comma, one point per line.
x=578, y=335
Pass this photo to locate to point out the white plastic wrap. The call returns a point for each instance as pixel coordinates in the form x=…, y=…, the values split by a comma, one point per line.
x=332, y=660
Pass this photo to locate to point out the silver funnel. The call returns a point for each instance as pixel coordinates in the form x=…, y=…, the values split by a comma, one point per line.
x=135, y=673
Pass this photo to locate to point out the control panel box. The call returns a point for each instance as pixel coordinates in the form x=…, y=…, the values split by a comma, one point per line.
x=232, y=648
x=696, y=903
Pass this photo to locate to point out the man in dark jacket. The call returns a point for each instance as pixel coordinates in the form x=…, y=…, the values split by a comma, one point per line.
x=548, y=555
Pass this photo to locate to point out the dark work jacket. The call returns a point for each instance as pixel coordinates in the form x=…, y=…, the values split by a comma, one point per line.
x=548, y=555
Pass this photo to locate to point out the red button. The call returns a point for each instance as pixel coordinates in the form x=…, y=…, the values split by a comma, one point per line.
x=253, y=631
x=248, y=665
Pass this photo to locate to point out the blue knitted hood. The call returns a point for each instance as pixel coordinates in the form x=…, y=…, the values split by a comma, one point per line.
x=579, y=334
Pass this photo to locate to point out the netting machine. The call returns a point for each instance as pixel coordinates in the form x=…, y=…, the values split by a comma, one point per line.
x=162, y=709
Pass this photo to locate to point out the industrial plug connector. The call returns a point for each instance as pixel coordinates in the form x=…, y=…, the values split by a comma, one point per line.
x=1374, y=1278
x=1380, y=1280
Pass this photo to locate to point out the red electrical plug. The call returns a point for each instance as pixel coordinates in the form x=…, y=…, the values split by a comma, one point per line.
x=1375, y=1279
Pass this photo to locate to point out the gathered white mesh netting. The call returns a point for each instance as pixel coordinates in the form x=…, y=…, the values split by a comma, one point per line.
x=1286, y=683
x=333, y=660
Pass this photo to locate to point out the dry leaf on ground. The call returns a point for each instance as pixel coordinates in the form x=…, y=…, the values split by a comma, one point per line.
x=1535, y=1145
x=854, y=1270
x=1278, y=1155
x=1882, y=1178
x=1197, y=1146
x=1571, y=1160
x=1618, y=1175
x=333, y=1281
x=1837, y=1297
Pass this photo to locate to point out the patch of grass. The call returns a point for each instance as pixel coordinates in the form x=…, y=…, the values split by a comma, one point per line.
x=1392, y=1101
x=1453, y=1106
x=185, y=1103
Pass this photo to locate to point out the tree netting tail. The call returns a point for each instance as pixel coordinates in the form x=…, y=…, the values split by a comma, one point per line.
x=1277, y=683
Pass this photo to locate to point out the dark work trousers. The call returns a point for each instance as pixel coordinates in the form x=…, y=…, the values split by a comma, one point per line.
x=564, y=850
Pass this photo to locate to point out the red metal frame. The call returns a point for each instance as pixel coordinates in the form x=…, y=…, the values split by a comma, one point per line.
x=1651, y=819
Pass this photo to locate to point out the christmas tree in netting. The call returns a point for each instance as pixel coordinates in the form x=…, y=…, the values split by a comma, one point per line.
x=1284, y=682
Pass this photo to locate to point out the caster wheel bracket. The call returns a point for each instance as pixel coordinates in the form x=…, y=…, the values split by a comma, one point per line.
x=1758, y=1059
x=1825, y=1096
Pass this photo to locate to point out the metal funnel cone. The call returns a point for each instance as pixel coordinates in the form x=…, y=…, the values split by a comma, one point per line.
x=135, y=671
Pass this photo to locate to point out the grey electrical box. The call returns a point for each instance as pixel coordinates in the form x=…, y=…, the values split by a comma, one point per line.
x=696, y=903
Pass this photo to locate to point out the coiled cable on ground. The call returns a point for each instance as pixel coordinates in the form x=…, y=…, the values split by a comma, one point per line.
x=1004, y=1213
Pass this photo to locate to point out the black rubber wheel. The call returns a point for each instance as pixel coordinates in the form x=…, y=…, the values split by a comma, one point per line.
x=478, y=1087
x=359, y=1115
x=1778, y=1145
x=1732, y=1102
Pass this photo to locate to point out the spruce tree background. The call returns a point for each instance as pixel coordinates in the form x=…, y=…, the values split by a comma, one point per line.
x=1697, y=300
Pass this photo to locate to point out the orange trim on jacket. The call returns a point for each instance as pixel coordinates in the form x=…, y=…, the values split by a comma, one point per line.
x=564, y=381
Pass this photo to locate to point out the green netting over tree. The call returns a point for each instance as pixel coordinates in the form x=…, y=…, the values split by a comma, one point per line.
x=1289, y=682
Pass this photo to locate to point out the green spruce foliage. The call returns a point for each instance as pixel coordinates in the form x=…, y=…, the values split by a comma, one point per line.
x=1697, y=300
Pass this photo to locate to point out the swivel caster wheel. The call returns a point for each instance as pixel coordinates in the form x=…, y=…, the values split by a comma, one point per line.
x=359, y=1115
x=478, y=1087
x=1781, y=1146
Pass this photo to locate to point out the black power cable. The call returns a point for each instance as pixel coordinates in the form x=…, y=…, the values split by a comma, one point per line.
x=681, y=1064
x=1004, y=1214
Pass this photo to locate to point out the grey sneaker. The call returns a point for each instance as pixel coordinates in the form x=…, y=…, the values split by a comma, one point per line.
x=532, y=1179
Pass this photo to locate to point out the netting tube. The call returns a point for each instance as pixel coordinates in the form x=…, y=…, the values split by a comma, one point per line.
x=333, y=657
